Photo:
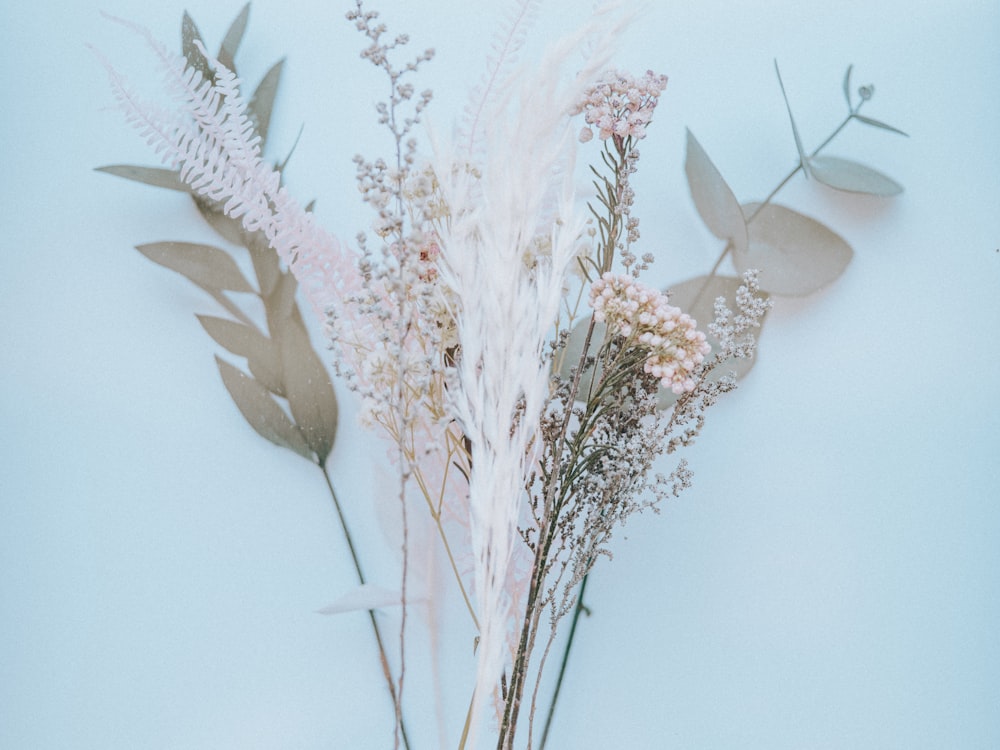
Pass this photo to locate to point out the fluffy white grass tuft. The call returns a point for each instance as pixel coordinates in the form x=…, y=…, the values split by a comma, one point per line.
x=508, y=300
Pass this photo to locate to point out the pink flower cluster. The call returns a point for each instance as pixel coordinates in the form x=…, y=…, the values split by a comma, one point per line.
x=642, y=315
x=620, y=105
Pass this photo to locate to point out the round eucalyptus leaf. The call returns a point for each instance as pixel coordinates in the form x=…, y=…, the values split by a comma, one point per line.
x=852, y=177
x=715, y=201
x=795, y=255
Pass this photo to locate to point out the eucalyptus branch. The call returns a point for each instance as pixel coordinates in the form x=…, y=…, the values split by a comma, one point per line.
x=852, y=114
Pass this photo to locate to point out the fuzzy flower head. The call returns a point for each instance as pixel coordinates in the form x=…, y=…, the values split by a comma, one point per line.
x=644, y=318
x=620, y=105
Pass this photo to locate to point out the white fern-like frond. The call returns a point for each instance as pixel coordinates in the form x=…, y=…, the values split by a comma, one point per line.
x=209, y=138
x=507, y=42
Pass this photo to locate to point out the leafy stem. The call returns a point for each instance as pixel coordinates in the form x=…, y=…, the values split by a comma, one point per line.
x=770, y=196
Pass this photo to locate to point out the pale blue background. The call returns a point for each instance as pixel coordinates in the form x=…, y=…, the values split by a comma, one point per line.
x=830, y=582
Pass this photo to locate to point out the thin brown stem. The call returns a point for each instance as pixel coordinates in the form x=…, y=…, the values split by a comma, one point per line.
x=386, y=671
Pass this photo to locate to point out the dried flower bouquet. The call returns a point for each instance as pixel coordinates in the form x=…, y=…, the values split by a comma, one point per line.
x=522, y=429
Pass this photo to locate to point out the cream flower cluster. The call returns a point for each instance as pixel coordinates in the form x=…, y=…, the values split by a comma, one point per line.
x=620, y=105
x=645, y=319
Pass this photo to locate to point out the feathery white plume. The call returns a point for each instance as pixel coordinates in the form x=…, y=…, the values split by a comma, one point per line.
x=508, y=300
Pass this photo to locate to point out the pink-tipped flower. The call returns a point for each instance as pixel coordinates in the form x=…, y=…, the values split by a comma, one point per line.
x=620, y=105
x=643, y=316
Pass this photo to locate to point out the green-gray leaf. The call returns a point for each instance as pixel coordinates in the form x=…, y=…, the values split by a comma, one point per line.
x=713, y=198
x=310, y=394
x=207, y=266
x=265, y=263
x=803, y=159
x=260, y=409
x=879, y=124
x=796, y=255
x=847, y=87
x=573, y=352
x=231, y=42
x=280, y=303
x=261, y=354
x=697, y=298
x=852, y=177
x=196, y=60
x=262, y=101
x=155, y=176
x=228, y=228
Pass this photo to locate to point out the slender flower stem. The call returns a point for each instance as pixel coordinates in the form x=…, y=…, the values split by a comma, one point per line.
x=565, y=660
x=722, y=256
x=386, y=671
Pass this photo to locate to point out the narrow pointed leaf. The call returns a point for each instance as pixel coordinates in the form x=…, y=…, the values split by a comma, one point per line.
x=262, y=102
x=796, y=255
x=155, y=176
x=190, y=34
x=365, y=597
x=265, y=263
x=713, y=198
x=281, y=167
x=697, y=298
x=310, y=394
x=803, y=159
x=847, y=87
x=574, y=351
x=280, y=303
x=852, y=177
x=231, y=42
x=260, y=409
x=879, y=124
x=205, y=265
x=246, y=341
x=228, y=228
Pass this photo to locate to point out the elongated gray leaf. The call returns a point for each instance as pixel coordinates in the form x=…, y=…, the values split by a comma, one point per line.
x=260, y=409
x=852, y=177
x=310, y=394
x=713, y=198
x=573, y=352
x=367, y=596
x=803, y=159
x=229, y=228
x=847, y=87
x=879, y=124
x=265, y=263
x=261, y=354
x=231, y=42
x=280, y=303
x=205, y=265
x=262, y=102
x=796, y=255
x=697, y=298
x=155, y=176
x=196, y=60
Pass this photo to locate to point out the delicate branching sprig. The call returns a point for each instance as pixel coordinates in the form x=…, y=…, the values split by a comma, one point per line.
x=620, y=107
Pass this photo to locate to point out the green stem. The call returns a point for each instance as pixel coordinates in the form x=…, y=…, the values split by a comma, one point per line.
x=386, y=671
x=565, y=660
